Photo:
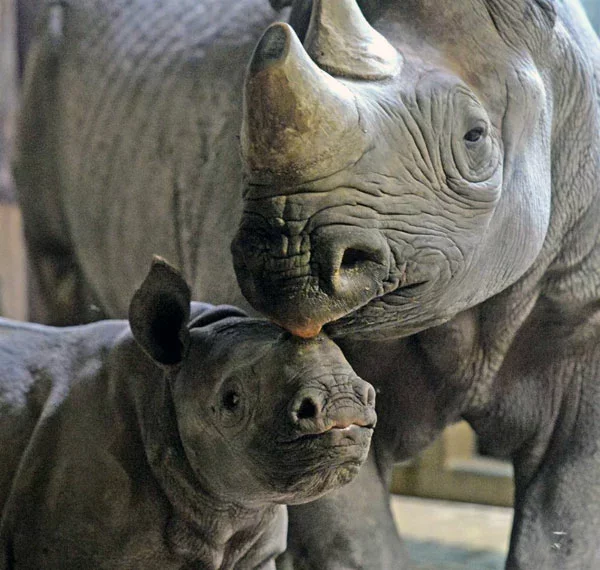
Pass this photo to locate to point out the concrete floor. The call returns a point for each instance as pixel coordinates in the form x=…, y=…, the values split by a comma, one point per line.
x=442, y=535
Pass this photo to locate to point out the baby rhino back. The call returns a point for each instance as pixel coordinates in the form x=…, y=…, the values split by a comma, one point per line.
x=37, y=366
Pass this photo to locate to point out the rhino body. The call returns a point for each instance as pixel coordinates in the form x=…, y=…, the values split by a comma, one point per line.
x=125, y=454
x=454, y=256
x=152, y=91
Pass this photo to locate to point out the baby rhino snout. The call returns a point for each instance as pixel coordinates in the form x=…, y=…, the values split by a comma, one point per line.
x=320, y=408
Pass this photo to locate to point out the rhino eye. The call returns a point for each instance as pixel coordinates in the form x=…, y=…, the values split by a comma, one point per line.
x=474, y=135
x=234, y=405
x=231, y=400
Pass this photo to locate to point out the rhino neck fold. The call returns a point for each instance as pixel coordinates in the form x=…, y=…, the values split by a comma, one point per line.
x=201, y=524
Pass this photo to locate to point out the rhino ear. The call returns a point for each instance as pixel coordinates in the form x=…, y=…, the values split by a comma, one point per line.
x=159, y=313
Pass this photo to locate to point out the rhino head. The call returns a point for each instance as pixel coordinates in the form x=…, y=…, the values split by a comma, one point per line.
x=397, y=169
x=262, y=416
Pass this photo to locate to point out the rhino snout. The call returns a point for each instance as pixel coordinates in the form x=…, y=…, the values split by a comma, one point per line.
x=315, y=411
x=348, y=267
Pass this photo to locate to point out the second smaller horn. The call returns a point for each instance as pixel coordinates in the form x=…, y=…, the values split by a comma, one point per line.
x=342, y=42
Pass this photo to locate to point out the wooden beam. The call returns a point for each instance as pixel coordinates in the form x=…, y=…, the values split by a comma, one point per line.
x=8, y=95
x=451, y=469
x=13, y=289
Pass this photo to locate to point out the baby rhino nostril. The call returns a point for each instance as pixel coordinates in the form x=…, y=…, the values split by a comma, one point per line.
x=307, y=409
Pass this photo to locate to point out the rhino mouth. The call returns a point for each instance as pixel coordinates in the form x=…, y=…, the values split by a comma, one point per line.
x=320, y=462
x=405, y=310
x=410, y=289
x=335, y=436
x=353, y=435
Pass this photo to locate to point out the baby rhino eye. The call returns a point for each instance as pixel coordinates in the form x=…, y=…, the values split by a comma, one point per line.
x=231, y=400
x=234, y=404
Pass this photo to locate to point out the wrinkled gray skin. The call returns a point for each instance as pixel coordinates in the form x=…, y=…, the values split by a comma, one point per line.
x=128, y=147
x=499, y=326
x=449, y=232
x=182, y=457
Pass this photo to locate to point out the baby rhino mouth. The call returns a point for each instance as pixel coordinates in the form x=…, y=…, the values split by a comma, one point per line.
x=337, y=434
x=328, y=436
x=322, y=461
x=335, y=448
x=344, y=420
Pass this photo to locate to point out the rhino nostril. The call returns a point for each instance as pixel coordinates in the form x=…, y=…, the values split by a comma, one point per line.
x=365, y=393
x=354, y=257
x=308, y=409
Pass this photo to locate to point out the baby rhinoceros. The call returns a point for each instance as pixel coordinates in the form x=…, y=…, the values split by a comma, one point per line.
x=173, y=441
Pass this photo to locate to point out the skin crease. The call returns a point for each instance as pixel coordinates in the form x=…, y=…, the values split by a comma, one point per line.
x=515, y=353
x=507, y=255
x=179, y=450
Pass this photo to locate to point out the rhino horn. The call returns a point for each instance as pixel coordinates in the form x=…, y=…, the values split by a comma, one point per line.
x=342, y=42
x=299, y=122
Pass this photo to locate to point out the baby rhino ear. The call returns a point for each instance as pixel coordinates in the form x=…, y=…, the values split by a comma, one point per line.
x=159, y=313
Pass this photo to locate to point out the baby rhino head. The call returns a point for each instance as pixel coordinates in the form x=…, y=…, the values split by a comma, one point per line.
x=262, y=416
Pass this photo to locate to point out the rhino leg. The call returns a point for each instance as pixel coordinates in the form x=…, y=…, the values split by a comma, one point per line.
x=57, y=292
x=557, y=501
x=556, y=520
x=350, y=529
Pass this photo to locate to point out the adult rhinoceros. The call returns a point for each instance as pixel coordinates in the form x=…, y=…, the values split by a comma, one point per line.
x=420, y=182
x=433, y=177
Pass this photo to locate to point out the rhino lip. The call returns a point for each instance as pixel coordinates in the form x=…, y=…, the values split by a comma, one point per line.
x=406, y=294
x=333, y=432
x=410, y=287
